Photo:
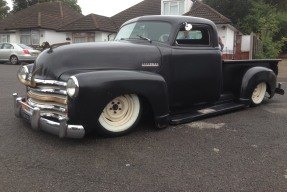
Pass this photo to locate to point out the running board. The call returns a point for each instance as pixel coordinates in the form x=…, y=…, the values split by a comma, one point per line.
x=206, y=112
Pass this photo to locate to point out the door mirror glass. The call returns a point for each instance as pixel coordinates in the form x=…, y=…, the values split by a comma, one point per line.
x=188, y=26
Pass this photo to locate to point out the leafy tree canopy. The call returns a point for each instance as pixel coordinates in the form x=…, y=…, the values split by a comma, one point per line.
x=22, y=4
x=235, y=10
x=268, y=18
x=3, y=9
x=263, y=19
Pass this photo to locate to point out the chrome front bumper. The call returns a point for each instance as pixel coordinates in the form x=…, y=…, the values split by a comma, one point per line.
x=32, y=115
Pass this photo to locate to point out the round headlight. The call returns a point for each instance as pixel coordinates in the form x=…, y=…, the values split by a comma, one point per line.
x=23, y=73
x=73, y=87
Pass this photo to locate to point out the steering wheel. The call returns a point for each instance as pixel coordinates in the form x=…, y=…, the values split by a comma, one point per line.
x=163, y=38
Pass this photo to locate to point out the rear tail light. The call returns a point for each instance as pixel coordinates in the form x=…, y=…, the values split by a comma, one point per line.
x=26, y=51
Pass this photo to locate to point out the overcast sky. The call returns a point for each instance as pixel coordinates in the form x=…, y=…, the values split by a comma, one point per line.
x=101, y=7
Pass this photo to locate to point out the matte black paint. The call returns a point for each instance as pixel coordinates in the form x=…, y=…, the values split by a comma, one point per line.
x=99, y=87
x=253, y=77
x=234, y=71
x=72, y=59
x=185, y=77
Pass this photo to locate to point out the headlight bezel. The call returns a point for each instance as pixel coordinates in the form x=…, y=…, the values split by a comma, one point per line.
x=23, y=73
x=72, y=87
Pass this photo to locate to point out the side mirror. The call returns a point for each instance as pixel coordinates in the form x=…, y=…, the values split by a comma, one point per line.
x=187, y=26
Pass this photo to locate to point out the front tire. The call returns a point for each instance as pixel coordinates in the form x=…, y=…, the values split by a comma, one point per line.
x=258, y=94
x=14, y=60
x=120, y=115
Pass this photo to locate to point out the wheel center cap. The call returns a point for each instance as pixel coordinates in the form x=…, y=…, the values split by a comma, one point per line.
x=115, y=107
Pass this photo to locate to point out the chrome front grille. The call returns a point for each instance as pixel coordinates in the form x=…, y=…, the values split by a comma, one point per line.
x=50, y=97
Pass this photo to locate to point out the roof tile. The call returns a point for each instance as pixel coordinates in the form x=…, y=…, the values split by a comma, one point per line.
x=91, y=22
x=50, y=15
x=202, y=10
x=146, y=7
x=60, y=17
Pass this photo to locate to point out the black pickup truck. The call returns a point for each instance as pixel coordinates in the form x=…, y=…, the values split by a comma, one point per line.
x=170, y=63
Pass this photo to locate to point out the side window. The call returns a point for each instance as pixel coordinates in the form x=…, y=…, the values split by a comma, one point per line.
x=1, y=45
x=7, y=46
x=197, y=36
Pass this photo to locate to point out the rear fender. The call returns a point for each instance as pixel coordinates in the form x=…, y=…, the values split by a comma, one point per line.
x=100, y=87
x=254, y=76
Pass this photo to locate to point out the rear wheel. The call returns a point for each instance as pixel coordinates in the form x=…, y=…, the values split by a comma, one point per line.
x=258, y=94
x=120, y=115
x=14, y=60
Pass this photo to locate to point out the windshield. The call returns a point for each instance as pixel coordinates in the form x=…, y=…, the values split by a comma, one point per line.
x=145, y=30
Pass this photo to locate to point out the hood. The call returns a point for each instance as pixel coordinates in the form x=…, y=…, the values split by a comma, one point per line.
x=64, y=61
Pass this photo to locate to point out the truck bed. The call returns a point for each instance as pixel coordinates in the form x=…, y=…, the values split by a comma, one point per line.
x=269, y=63
x=233, y=71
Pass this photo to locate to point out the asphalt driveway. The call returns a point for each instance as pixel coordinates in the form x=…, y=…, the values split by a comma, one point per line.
x=241, y=151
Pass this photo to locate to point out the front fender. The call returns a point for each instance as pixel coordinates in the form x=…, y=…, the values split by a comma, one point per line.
x=97, y=88
x=252, y=77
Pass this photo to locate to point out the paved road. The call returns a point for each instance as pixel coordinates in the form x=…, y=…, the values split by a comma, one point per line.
x=241, y=151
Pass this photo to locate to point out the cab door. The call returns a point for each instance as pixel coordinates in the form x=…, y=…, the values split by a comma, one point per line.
x=195, y=68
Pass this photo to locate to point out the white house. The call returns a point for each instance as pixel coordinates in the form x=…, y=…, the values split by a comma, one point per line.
x=225, y=30
x=37, y=24
x=56, y=22
x=175, y=7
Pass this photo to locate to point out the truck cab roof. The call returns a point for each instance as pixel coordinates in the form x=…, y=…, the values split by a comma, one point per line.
x=177, y=22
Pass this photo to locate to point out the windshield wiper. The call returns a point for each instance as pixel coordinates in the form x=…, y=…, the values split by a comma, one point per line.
x=145, y=38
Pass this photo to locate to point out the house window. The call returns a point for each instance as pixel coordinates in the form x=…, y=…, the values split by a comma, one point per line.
x=173, y=7
x=35, y=37
x=30, y=37
x=25, y=37
x=83, y=37
x=4, y=38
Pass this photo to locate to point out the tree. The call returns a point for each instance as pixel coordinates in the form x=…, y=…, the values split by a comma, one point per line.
x=19, y=5
x=22, y=4
x=235, y=10
x=3, y=9
x=265, y=17
x=280, y=5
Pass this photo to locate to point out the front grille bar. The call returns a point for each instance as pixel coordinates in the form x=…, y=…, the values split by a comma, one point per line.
x=50, y=97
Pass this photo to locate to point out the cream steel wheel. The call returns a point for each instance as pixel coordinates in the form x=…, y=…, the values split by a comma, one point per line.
x=120, y=115
x=258, y=94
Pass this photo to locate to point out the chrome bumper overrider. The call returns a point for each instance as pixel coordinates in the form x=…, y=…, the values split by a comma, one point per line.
x=33, y=116
x=279, y=89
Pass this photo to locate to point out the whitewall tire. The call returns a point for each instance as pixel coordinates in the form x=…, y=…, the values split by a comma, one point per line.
x=120, y=115
x=14, y=60
x=258, y=94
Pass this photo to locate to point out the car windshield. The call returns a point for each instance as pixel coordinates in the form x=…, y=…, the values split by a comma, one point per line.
x=25, y=46
x=145, y=30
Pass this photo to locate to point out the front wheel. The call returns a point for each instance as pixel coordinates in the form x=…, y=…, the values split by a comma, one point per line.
x=258, y=94
x=14, y=60
x=120, y=115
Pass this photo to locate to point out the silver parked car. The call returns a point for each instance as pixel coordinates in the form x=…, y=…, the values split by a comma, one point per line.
x=16, y=53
